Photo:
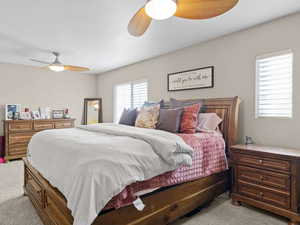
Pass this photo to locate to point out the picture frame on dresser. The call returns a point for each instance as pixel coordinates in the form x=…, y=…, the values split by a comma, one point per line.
x=11, y=110
x=58, y=114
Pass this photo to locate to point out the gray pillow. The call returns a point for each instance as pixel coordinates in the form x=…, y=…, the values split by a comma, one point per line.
x=174, y=103
x=169, y=120
x=128, y=117
x=161, y=103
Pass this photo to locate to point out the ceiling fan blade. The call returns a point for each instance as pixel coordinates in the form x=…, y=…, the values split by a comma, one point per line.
x=39, y=61
x=139, y=23
x=76, y=68
x=203, y=9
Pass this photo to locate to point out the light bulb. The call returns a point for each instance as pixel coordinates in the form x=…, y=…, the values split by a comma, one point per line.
x=56, y=67
x=161, y=9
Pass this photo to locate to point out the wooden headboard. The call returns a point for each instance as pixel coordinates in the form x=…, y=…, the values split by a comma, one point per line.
x=227, y=109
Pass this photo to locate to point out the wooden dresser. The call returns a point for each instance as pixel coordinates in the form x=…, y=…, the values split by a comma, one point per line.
x=267, y=178
x=19, y=132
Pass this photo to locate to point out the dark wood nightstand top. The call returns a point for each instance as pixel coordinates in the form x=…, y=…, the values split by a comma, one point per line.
x=268, y=150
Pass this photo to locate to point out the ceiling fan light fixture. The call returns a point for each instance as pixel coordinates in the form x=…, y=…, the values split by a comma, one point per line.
x=56, y=67
x=161, y=9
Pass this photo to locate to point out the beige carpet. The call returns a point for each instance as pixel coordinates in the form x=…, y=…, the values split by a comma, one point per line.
x=15, y=209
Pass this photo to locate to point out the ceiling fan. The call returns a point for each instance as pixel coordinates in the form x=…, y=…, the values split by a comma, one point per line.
x=57, y=66
x=188, y=9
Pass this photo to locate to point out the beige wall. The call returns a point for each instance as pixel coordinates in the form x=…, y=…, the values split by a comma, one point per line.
x=33, y=87
x=234, y=59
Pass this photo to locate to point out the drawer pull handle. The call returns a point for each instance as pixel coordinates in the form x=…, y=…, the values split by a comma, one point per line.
x=261, y=194
x=261, y=178
x=260, y=161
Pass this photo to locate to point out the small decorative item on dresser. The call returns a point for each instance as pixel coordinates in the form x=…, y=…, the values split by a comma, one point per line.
x=11, y=110
x=42, y=113
x=66, y=114
x=36, y=115
x=58, y=114
x=48, y=113
x=267, y=178
x=16, y=115
x=25, y=116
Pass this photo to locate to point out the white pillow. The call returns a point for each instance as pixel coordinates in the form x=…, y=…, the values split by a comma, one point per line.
x=208, y=122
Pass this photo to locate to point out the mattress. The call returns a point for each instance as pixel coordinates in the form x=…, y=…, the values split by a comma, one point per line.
x=209, y=158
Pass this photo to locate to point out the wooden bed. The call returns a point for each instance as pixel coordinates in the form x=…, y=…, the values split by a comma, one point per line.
x=162, y=207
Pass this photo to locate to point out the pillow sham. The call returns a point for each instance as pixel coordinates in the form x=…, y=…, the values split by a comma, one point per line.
x=161, y=103
x=208, y=122
x=148, y=116
x=174, y=103
x=169, y=120
x=189, y=120
x=128, y=117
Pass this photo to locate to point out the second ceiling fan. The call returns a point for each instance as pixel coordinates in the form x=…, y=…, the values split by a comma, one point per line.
x=188, y=9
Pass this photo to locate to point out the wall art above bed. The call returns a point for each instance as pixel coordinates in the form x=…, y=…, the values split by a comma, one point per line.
x=191, y=79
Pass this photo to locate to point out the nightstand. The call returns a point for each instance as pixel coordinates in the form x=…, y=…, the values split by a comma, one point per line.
x=267, y=178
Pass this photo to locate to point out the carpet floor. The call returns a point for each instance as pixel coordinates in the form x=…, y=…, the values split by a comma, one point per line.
x=16, y=209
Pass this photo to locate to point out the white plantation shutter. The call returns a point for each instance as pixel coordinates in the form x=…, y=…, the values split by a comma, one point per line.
x=129, y=96
x=122, y=100
x=140, y=94
x=274, y=81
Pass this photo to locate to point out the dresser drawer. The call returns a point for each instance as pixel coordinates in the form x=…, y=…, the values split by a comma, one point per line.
x=34, y=189
x=264, y=194
x=20, y=138
x=262, y=162
x=265, y=178
x=17, y=149
x=20, y=126
x=42, y=125
x=63, y=124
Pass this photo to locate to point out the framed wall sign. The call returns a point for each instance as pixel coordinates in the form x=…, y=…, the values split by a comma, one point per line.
x=191, y=79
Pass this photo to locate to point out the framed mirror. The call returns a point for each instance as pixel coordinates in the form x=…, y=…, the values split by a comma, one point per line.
x=92, y=111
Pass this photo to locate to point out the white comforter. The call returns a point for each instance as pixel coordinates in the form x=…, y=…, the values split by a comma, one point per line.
x=91, y=164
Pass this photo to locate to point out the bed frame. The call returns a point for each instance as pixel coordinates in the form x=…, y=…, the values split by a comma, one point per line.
x=162, y=207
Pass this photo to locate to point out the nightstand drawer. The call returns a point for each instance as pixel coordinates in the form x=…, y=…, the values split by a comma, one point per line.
x=263, y=177
x=262, y=162
x=264, y=194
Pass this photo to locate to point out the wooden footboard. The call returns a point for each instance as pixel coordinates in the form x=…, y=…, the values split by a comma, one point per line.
x=161, y=208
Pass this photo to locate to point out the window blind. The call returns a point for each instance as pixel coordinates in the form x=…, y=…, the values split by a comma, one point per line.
x=131, y=95
x=140, y=94
x=274, y=84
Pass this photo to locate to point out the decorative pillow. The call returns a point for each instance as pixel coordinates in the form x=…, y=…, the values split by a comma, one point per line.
x=148, y=117
x=208, y=122
x=169, y=120
x=189, y=120
x=174, y=103
x=161, y=103
x=128, y=117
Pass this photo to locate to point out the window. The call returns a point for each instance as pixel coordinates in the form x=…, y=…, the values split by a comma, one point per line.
x=130, y=95
x=274, y=85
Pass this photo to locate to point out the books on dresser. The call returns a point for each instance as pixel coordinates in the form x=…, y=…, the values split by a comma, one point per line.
x=267, y=178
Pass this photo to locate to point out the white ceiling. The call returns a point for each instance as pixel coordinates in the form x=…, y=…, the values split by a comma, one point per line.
x=93, y=33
